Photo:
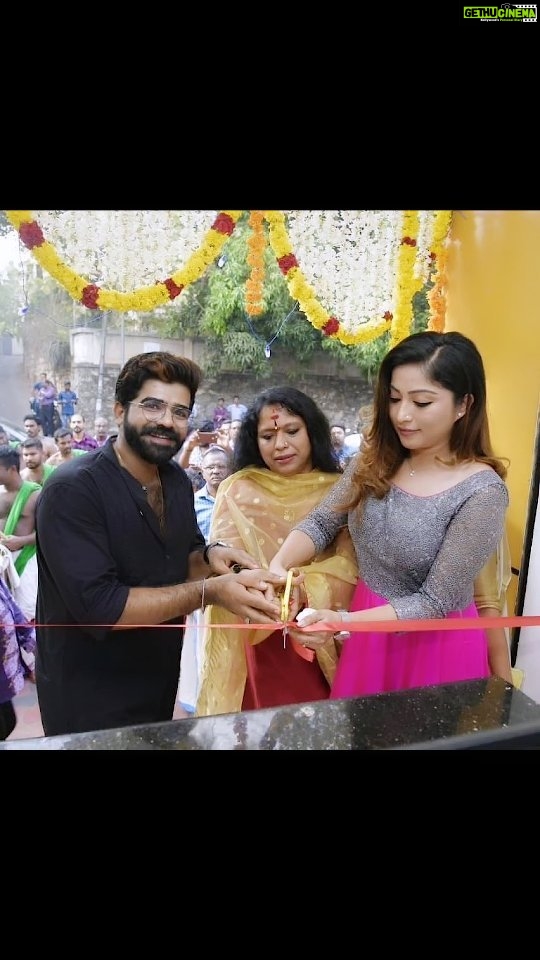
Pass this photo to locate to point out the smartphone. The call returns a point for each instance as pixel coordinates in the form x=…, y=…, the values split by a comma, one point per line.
x=205, y=438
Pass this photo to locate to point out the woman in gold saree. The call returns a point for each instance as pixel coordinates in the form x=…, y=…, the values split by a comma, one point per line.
x=283, y=466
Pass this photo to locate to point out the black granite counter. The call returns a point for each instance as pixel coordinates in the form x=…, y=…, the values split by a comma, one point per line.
x=467, y=715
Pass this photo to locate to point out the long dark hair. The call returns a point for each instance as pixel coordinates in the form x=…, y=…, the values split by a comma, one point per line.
x=246, y=447
x=451, y=360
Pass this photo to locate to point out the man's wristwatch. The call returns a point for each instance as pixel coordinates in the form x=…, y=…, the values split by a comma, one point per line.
x=343, y=634
x=208, y=547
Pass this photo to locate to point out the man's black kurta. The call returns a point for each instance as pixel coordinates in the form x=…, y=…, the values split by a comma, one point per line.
x=96, y=537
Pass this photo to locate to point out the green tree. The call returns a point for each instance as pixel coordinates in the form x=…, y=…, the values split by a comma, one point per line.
x=214, y=308
x=11, y=304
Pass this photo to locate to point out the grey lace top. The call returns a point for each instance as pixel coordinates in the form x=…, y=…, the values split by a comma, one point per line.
x=421, y=554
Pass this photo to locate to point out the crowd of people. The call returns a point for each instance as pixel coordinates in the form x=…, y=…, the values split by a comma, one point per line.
x=24, y=468
x=179, y=542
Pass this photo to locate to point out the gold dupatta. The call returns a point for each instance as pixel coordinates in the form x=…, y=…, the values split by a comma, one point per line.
x=491, y=584
x=255, y=509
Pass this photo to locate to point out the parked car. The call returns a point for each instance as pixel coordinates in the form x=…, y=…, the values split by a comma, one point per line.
x=13, y=430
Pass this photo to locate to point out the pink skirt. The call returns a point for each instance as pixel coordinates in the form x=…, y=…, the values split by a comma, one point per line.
x=378, y=662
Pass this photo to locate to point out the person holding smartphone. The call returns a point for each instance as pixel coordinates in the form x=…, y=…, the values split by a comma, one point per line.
x=195, y=445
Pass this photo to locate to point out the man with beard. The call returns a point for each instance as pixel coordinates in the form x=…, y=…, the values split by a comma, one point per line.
x=32, y=427
x=121, y=561
x=81, y=439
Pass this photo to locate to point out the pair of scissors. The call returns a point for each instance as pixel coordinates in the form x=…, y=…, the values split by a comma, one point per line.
x=285, y=605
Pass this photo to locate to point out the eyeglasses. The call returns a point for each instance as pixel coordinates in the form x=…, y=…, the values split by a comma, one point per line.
x=154, y=410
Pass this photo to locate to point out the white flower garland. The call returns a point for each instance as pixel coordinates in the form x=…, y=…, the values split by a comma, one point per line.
x=424, y=241
x=349, y=257
x=354, y=273
x=125, y=249
x=365, y=265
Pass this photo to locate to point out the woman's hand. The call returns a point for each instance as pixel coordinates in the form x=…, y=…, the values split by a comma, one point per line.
x=278, y=567
x=313, y=641
x=323, y=619
x=297, y=598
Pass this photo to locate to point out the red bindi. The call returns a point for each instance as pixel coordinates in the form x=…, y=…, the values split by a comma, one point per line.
x=275, y=417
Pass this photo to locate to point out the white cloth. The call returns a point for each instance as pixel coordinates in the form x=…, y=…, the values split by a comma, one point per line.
x=191, y=660
x=7, y=569
x=25, y=593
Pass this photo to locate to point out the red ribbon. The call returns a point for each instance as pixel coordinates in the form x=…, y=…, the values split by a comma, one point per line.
x=367, y=626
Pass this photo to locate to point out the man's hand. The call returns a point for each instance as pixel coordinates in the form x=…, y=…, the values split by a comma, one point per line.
x=222, y=560
x=222, y=438
x=10, y=542
x=243, y=593
x=191, y=441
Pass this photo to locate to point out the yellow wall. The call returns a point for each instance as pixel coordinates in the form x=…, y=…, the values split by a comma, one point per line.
x=494, y=298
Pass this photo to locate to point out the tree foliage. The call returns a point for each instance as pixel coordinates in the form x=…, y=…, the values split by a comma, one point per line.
x=10, y=304
x=214, y=308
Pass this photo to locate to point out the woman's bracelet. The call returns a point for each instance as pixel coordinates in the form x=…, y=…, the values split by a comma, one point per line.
x=343, y=634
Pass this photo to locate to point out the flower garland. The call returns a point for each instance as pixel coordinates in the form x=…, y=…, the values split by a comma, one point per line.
x=301, y=290
x=256, y=244
x=406, y=282
x=424, y=261
x=369, y=264
x=349, y=258
x=409, y=243
x=142, y=299
x=439, y=253
x=125, y=249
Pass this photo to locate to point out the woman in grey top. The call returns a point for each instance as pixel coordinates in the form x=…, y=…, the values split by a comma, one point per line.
x=425, y=502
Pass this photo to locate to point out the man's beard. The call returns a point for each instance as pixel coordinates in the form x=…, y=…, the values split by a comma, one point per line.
x=144, y=448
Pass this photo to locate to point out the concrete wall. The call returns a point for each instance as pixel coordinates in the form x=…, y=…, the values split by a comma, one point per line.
x=10, y=346
x=338, y=389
